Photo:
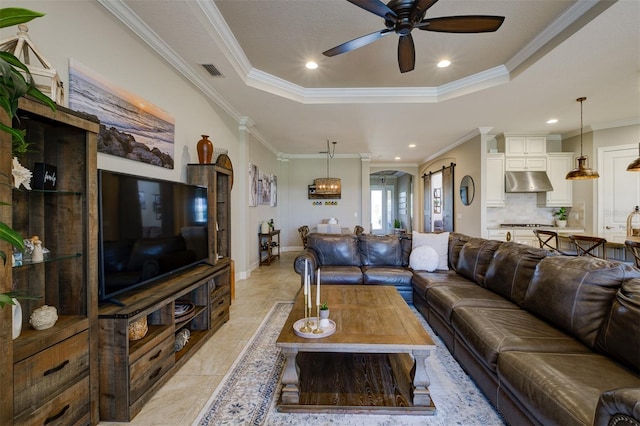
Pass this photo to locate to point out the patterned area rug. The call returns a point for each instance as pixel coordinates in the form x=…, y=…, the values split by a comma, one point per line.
x=249, y=392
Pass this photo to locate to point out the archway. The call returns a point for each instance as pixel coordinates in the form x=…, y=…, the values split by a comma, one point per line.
x=391, y=202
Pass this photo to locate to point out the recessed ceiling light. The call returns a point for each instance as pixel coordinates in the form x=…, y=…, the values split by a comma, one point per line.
x=444, y=63
x=552, y=121
x=413, y=145
x=397, y=158
x=311, y=65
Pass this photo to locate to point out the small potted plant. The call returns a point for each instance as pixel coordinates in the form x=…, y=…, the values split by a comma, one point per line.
x=561, y=217
x=324, y=315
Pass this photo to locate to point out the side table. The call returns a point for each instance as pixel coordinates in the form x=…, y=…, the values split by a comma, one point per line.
x=268, y=246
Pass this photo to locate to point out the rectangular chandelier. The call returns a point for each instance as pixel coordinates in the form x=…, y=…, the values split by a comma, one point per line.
x=328, y=186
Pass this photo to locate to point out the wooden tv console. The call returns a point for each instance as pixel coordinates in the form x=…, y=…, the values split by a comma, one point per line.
x=132, y=371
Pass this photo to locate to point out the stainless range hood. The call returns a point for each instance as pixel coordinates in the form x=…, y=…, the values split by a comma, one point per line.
x=527, y=182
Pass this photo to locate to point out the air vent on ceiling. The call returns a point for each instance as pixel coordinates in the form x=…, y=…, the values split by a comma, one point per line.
x=211, y=69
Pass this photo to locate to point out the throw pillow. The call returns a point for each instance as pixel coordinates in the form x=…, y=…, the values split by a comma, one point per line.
x=439, y=242
x=424, y=258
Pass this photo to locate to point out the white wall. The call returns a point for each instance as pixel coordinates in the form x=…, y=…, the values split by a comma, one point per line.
x=267, y=164
x=302, y=211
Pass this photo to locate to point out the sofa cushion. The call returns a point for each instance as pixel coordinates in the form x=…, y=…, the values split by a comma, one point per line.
x=385, y=275
x=340, y=275
x=579, y=302
x=424, y=258
x=444, y=299
x=620, y=332
x=561, y=389
x=456, y=242
x=335, y=249
x=380, y=250
x=488, y=332
x=439, y=242
x=511, y=270
x=475, y=257
x=422, y=281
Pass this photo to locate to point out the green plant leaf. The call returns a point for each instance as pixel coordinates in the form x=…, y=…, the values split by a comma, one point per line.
x=7, y=298
x=12, y=237
x=14, y=15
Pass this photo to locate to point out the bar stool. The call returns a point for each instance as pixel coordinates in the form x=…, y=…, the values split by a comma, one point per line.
x=587, y=246
x=634, y=248
x=549, y=240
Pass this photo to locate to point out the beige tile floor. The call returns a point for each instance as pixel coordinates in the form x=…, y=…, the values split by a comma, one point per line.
x=180, y=400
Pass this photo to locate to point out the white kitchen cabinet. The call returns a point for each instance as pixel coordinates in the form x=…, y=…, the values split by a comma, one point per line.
x=514, y=235
x=558, y=164
x=515, y=164
x=494, y=180
x=523, y=146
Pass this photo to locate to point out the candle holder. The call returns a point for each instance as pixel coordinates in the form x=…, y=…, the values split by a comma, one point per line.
x=318, y=330
x=307, y=320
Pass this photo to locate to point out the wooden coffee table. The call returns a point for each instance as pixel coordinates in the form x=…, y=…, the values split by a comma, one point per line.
x=374, y=362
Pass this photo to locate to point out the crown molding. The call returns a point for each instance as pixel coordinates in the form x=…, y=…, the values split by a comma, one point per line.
x=125, y=15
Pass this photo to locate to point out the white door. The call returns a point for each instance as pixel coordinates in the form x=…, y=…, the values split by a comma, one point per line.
x=382, y=209
x=618, y=190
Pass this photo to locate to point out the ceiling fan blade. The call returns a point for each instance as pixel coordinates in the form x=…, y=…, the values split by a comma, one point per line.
x=356, y=43
x=462, y=24
x=419, y=7
x=406, y=53
x=376, y=7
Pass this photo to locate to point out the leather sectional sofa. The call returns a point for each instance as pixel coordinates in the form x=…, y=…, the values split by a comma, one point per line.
x=362, y=259
x=549, y=339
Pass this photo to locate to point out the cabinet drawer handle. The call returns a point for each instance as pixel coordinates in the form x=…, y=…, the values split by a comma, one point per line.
x=155, y=373
x=57, y=416
x=156, y=355
x=56, y=369
x=221, y=302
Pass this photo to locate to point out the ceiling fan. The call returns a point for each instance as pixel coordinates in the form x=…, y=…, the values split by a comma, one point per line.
x=402, y=16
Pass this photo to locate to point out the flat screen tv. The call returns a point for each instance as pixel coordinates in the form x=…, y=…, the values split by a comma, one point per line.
x=148, y=230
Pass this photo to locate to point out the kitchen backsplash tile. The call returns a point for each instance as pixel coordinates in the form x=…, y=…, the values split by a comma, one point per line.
x=522, y=208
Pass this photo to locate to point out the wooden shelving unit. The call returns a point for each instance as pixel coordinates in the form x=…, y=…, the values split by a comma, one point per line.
x=51, y=376
x=131, y=371
x=269, y=246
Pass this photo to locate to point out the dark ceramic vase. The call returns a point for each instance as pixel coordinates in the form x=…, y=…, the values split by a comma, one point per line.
x=205, y=150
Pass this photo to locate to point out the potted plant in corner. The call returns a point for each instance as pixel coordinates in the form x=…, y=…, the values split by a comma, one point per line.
x=15, y=82
x=561, y=217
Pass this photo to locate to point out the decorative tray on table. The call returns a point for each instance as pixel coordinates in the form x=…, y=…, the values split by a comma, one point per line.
x=326, y=331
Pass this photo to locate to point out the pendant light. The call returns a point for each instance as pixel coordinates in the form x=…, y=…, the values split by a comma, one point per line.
x=328, y=185
x=582, y=171
x=635, y=165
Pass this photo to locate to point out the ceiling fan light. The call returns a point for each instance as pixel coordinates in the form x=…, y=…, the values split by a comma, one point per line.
x=635, y=164
x=582, y=171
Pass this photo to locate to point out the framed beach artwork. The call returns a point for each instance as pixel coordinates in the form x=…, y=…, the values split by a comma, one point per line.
x=130, y=127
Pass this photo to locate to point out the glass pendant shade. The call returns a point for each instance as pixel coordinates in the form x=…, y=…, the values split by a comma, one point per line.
x=582, y=171
x=635, y=165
